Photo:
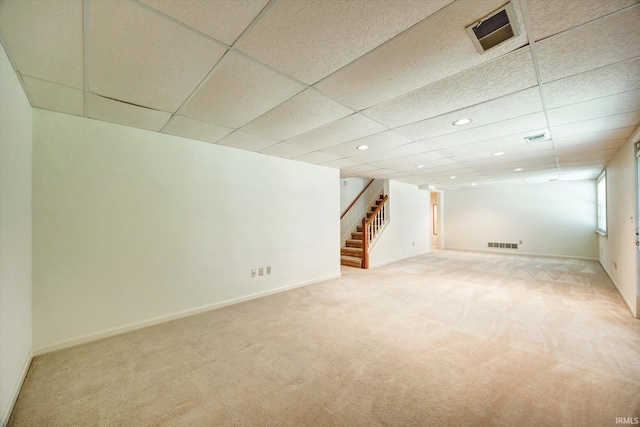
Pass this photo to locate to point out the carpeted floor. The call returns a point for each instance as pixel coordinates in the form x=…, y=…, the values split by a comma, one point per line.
x=450, y=338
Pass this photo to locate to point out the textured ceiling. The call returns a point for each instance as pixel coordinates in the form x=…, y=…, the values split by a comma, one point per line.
x=311, y=80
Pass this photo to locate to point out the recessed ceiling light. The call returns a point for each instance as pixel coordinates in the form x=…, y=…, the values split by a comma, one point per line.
x=419, y=166
x=499, y=153
x=462, y=122
x=362, y=147
x=452, y=177
x=473, y=183
x=517, y=169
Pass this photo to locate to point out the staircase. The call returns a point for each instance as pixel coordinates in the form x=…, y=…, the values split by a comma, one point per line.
x=352, y=253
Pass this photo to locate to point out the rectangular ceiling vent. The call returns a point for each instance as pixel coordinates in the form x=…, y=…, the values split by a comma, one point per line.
x=539, y=137
x=494, y=29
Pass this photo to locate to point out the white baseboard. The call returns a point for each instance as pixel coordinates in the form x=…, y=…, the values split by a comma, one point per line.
x=381, y=264
x=16, y=390
x=517, y=252
x=617, y=288
x=37, y=351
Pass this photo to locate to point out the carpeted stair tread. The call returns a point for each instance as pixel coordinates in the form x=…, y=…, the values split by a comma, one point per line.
x=353, y=243
x=351, y=261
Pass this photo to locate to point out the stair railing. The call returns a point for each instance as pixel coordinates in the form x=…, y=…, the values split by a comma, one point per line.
x=356, y=199
x=371, y=227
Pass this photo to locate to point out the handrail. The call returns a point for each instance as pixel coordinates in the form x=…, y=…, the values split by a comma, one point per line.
x=356, y=199
x=365, y=232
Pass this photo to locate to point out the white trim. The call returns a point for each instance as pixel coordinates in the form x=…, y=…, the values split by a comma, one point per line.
x=617, y=288
x=16, y=390
x=37, y=351
x=517, y=252
x=399, y=259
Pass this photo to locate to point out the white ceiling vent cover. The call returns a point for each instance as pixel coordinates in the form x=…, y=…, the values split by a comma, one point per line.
x=538, y=137
x=494, y=29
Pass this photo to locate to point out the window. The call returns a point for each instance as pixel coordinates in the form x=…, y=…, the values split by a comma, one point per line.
x=601, y=185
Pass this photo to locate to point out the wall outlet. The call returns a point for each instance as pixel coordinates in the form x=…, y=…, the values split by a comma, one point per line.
x=268, y=269
x=261, y=271
x=615, y=265
x=253, y=272
x=414, y=243
x=519, y=242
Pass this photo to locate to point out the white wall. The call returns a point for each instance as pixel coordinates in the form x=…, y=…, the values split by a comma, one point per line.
x=349, y=190
x=408, y=232
x=15, y=235
x=555, y=218
x=618, y=247
x=132, y=226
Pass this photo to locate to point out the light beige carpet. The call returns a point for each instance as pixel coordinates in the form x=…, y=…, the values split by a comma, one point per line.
x=446, y=339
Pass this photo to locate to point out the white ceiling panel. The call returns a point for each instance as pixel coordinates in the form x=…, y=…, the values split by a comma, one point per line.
x=316, y=157
x=138, y=57
x=435, y=49
x=596, y=108
x=286, y=150
x=429, y=161
x=596, y=137
x=618, y=121
x=304, y=112
x=379, y=142
x=610, y=80
x=309, y=40
x=108, y=110
x=611, y=39
x=515, y=129
x=52, y=96
x=549, y=17
x=357, y=170
x=44, y=39
x=596, y=146
x=238, y=91
x=191, y=128
x=411, y=149
x=484, y=152
x=346, y=129
x=505, y=75
x=233, y=16
x=246, y=141
x=340, y=163
x=507, y=107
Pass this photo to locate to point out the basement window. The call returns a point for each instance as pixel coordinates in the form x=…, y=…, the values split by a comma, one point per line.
x=601, y=194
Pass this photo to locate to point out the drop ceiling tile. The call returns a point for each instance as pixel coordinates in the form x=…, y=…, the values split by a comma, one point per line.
x=595, y=137
x=108, y=110
x=507, y=107
x=597, y=44
x=309, y=40
x=509, y=145
x=341, y=163
x=411, y=149
x=287, y=150
x=44, y=39
x=231, y=17
x=246, y=141
x=433, y=50
x=304, y=112
x=52, y=96
x=316, y=157
x=346, y=129
x=514, y=129
x=408, y=164
x=610, y=80
x=378, y=142
x=549, y=17
x=194, y=129
x=137, y=56
x=595, y=146
x=505, y=75
x=359, y=170
x=617, y=121
x=237, y=92
x=596, y=108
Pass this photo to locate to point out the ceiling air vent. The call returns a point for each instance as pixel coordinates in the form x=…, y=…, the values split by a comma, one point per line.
x=494, y=29
x=539, y=137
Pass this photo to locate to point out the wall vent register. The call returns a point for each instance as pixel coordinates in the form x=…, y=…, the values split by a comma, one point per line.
x=503, y=245
x=495, y=29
